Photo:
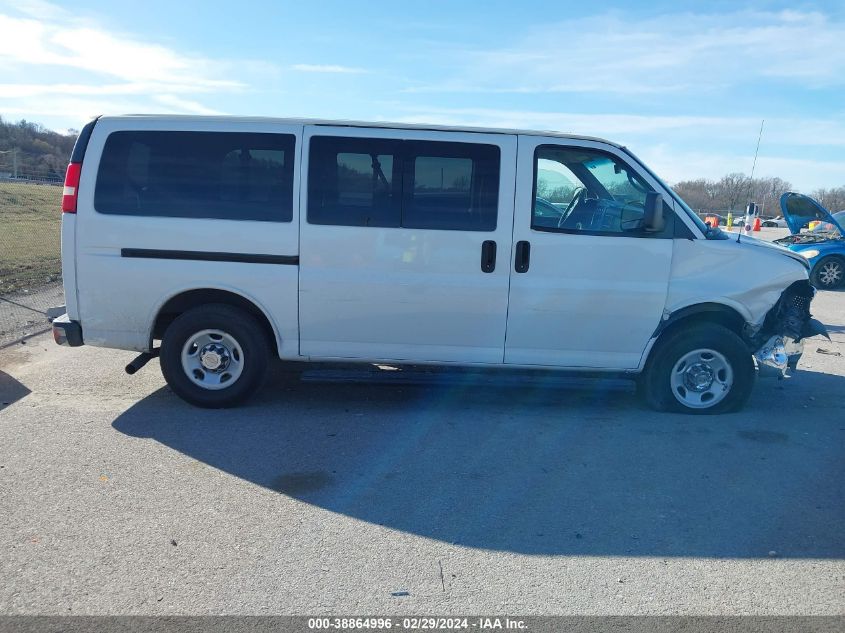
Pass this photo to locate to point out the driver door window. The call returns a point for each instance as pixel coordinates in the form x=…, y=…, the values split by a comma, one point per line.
x=581, y=190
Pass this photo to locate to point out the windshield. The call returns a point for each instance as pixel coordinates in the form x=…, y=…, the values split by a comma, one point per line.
x=709, y=232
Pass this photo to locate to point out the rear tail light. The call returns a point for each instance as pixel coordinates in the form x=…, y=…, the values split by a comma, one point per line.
x=71, y=190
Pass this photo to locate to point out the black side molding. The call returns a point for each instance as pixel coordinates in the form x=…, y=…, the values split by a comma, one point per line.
x=726, y=312
x=208, y=256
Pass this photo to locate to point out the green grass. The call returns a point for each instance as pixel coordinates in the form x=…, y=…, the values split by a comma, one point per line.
x=30, y=224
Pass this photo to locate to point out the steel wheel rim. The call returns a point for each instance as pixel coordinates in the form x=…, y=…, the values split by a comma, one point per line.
x=701, y=379
x=212, y=359
x=830, y=273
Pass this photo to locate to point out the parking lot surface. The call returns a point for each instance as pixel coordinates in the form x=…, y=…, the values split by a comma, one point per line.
x=468, y=494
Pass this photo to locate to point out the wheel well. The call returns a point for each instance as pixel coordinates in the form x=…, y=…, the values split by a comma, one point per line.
x=192, y=298
x=703, y=313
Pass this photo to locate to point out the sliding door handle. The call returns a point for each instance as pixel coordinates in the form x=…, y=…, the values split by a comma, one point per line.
x=488, y=256
x=523, y=256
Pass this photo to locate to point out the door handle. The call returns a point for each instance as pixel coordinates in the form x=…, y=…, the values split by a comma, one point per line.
x=488, y=256
x=523, y=256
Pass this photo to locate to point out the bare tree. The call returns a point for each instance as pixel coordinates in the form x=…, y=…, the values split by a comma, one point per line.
x=831, y=199
x=732, y=192
x=699, y=194
x=766, y=192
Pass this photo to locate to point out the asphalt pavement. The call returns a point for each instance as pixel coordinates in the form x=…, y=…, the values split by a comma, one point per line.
x=468, y=494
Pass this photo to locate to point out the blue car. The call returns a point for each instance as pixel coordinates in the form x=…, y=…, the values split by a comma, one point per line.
x=824, y=246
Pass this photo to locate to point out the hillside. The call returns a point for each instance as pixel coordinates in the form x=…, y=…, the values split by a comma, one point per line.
x=40, y=153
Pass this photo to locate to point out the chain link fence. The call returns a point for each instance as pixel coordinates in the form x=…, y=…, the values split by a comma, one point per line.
x=30, y=253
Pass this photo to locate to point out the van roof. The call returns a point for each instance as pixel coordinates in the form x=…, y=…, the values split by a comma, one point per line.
x=373, y=124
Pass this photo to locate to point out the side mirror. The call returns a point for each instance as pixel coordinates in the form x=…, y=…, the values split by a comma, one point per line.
x=653, y=220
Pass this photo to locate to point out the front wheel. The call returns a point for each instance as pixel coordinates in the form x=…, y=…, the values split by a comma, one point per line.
x=703, y=369
x=214, y=356
x=828, y=273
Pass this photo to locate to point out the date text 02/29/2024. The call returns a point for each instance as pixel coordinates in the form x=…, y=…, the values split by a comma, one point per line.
x=417, y=623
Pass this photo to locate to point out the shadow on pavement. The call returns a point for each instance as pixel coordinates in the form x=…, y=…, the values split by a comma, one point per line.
x=549, y=466
x=10, y=390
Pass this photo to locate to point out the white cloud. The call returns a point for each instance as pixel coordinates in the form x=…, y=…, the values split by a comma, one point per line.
x=39, y=9
x=682, y=147
x=619, y=127
x=17, y=91
x=75, y=111
x=31, y=42
x=621, y=54
x=328, y=68
x=40, y=39
x=70, y=111
x=806, y=174
x=186, y=105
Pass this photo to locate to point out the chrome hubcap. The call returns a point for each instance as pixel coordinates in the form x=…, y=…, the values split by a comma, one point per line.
x=212, y=359
x=701, y=378
x=698, y=377
x=831, y=273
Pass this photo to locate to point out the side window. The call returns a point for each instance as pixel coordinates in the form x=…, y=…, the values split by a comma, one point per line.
x=354, y=182
x=412, y=184
x=585, y=190
x=451, y=186
x=213, y=175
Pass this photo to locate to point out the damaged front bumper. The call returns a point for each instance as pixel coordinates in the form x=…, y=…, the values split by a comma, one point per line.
x=779, y=343
x=778, y=355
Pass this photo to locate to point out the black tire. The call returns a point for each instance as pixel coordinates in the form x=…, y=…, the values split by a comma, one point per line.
x=655, y=387
x=820, y=275
x=235, y=323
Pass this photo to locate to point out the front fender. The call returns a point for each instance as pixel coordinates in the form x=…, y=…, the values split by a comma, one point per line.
x=746, y=278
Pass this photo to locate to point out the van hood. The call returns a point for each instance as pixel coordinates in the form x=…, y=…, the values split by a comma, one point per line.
x=799, y=210
x=756, y=242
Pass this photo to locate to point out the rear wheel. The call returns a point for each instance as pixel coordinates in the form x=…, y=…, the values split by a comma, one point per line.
x=214, y=356
x=703, y=369
x=828, y=273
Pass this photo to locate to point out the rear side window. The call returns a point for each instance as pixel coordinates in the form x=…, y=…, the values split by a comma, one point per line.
x=451, y=186
x=214, y=175
x=354, y=181
x=413, y=184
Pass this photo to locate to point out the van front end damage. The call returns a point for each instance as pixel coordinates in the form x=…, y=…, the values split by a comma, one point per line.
x=779, y=342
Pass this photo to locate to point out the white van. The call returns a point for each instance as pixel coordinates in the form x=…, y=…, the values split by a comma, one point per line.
x=233, y=239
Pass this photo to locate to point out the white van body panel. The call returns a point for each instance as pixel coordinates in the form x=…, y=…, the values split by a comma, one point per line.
x=405, y=294
x=705, y=271
x=119, y=296
x=587, y=301
x=68, y=245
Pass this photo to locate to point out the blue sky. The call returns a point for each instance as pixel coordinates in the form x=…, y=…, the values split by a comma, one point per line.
x=684, y=84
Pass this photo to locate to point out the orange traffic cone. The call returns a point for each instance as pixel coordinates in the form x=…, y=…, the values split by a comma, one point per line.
x=757, y=224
